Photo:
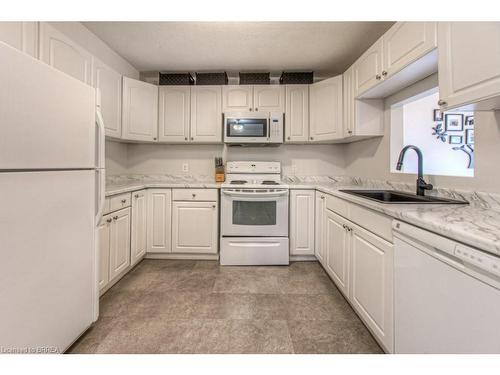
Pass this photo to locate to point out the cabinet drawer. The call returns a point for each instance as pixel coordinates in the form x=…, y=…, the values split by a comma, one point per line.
x=337, y=205
x=194, y=195
x=374, y=222
x=117, y=202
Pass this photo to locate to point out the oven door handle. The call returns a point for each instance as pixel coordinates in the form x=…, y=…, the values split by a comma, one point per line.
x=255, y=195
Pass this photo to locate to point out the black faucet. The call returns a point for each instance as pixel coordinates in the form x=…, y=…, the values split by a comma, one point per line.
x=422, y=186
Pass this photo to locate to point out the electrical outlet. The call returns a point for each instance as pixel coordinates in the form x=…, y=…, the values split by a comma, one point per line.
x=185, y=167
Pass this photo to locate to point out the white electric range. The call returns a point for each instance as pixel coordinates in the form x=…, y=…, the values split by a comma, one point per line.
x=254, y=215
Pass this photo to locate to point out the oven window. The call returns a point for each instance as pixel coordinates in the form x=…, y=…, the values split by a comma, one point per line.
x=255, y=127
x=254, y=213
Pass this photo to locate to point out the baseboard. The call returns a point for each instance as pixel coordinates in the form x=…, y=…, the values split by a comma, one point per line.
x=303, y=258
x=182, y=256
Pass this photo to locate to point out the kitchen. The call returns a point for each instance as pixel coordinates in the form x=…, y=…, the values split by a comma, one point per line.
x=250, y=203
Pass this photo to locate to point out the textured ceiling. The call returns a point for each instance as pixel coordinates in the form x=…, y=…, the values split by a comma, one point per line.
x=325, y=47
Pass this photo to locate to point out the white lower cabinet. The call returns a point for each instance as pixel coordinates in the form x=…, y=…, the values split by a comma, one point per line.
x=371, y=285
x=103, y=238
x=159, y=221
x=337, y=251
x=195, y=227
x=319, y=228
x=138, y=244
x=302, y=234
x=119, y=249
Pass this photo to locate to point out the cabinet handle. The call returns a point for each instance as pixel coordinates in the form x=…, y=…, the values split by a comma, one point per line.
x=384, y=74
x=109, y=220
x=115, y=217
x=124, y=201
x=441, y=102
x=378, y=77
x=137, y=195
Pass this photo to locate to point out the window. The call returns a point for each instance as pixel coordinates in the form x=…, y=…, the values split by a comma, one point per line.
x=446, y=139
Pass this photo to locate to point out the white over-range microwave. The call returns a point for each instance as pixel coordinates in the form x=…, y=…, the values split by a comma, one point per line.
x=253, y=127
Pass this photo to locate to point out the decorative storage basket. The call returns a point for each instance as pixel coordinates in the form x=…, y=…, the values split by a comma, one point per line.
x=212, y=78
x=296, y=78
x=255, y=79
x=176, y=79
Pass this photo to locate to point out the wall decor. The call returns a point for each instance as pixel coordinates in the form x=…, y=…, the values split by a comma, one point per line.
x=469, y=120
x=455, y=139
x=454, y=122
x=469, y=150
x=439, y=132
x=438, y=115
x=469, y=136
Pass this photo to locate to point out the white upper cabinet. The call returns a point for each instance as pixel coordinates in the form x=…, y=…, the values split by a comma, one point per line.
x=367, y=70
x=326, y=110
x=302, y=203
x=21, y=35
x=59, y=51
x=138, y=243
x=174, y=113
x=469, y=64
x=109, y=82
x=206, y=114
x=269, y=98
x=139, y=110
x=237, y=98
x=405, y=42
x=297, y=113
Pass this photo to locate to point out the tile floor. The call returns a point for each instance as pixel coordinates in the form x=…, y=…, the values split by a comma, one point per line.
x=172, y=306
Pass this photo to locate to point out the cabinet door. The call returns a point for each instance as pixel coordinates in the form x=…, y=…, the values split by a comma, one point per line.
x=159, y=225
x=206, y=114
x=138, y=236
x=302, y=204
x=103, y=237
x=57, y=50
x=174, y=113
x=326, y=110
x=371, y=279
x=119, y=254
x=109, y=82
x=469, y=61
x=337, y=251
x=319, y=228
x=21, y=35
x=368, y=69
x=237, y=98
x=140, y=110
x=406, y=42
x=269, y=98
x=297, y=113
x=194, y=227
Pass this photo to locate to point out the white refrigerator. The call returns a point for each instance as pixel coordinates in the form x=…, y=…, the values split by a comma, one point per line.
x=51, y=196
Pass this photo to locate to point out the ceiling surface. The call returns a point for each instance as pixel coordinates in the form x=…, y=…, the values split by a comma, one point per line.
x=327, y=48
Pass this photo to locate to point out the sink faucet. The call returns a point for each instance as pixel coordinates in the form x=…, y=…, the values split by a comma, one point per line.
x=422, y=186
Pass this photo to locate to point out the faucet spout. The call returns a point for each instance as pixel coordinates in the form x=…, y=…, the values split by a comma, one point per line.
x=421, y=184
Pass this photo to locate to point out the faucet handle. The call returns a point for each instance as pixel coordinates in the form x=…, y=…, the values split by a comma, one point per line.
x=424, y=185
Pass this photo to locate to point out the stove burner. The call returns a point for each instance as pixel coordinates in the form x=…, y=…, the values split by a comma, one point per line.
x=268, y=182
x=238, y=182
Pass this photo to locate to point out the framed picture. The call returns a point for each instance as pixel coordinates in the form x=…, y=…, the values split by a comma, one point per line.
x=454, y=122
x=438, y=115
x=469, y=120
x=469, y=136
x=455, y=139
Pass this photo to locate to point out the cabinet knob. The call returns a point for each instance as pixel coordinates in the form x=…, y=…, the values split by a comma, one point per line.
x=442, y=102
x=378, y=77
x=115, y=217
x=256, y=109
x=124, y=201
x=213, y=206
x=322, y=197
x=288, y=138
x=154, y=139
x=311, y=138
x=384, y=74
x=109, y=220
x=194, y=195
x=137, y=195
x=185, y=138
x=250, y=109
x=349, y=131
x=192, y=138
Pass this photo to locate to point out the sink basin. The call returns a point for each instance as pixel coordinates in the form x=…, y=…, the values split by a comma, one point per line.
x=390, y=196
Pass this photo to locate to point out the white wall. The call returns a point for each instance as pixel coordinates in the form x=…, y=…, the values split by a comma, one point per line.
x=88, y=40
x=116, y=158
x=371, y=158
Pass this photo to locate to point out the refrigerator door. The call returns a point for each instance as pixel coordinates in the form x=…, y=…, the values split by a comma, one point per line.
x=47, y=265
x=47, y=117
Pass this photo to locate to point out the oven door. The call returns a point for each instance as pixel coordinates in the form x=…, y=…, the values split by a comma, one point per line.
x=246, y=128
x=255, y=212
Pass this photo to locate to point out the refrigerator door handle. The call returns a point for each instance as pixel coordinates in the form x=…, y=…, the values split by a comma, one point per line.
x=101, y=194
x=101, y=137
